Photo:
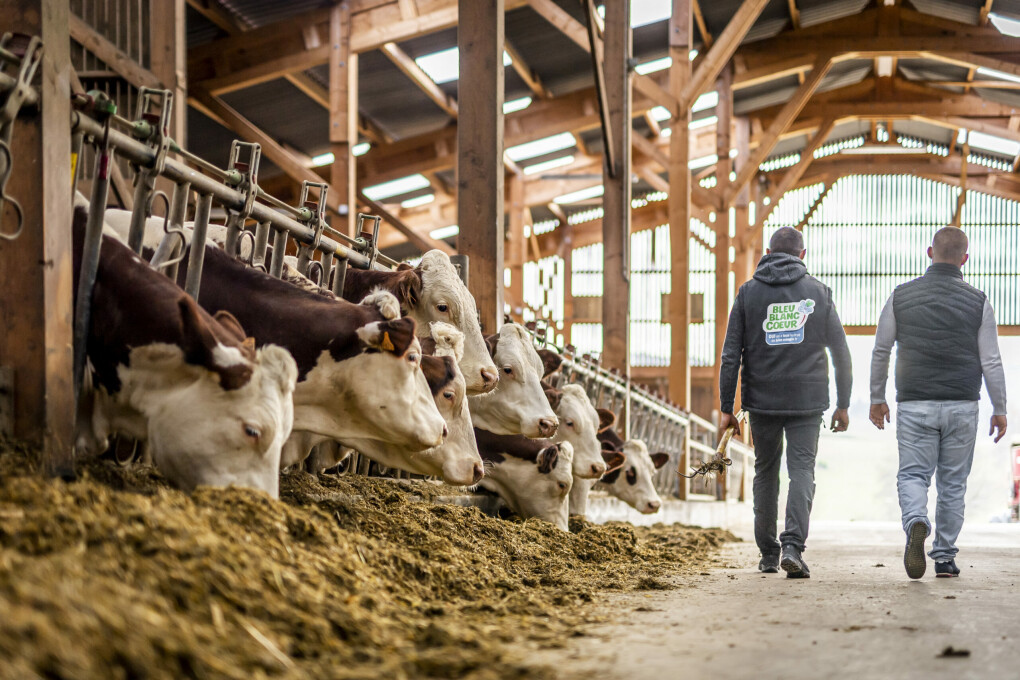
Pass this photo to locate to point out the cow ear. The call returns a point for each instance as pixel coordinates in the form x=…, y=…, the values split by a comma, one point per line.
x=554, y=396
x=409, y=288
x=490, y=342
x=659, y=459
x=394, y=337
x=550, y=361
x=198, y=340
x=614, y=460
x=403, y=266
x=606, y=419
x=547, y=458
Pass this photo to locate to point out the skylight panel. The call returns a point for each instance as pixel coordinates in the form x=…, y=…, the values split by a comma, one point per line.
x=516, y=105
x=328, y=158
x=709, y=100
x=540, y=147
x=1006, y=25
x=703, y=122
x=993, y=143
x=660, y=113
x=418, y=201
x=643, y=12
x=654, y=65
x=582, y=195
x=548, y=165
x=703, y=162
x=444, y=66
x=992, y=73
x=445, y=232
x=397, y=187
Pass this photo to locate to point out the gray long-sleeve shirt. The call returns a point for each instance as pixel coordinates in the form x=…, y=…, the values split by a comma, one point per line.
x=988, y=351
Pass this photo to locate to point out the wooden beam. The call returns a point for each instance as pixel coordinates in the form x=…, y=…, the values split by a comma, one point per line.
x=814, y=206
x=786, y=116
x=699, y=18
x=794, y=13
x=527, y=74
x=219, y=15
x=679, y=207
x=617, y=196
x=985, y=11
x=126, y=67
x=721, y=251
x=516, y=253
x=977, y=124
x=793, y=175
x=722, y=50
x=343, y=117
x=36, y=300
x=480, y=154
x=410, y=68
x=972, y=60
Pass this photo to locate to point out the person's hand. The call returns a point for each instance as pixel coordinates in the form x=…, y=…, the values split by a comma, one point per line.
x=879, y=415
x=840, y=420
x=998, y=427
x=726, y=421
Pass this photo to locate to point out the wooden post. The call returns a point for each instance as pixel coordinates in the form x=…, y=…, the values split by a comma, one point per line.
x=724, y=111
x=37, y=269
x=168, y=60
x=616, y=199
x=680, y=207
x=480, y=154
x=343, y=116
x=517, y=246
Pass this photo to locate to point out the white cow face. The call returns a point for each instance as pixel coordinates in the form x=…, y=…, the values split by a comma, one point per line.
x=518, y=405
x=444, y=297
x=579, y=425
x=540, y=489
x=198, y=433
x=634, y=485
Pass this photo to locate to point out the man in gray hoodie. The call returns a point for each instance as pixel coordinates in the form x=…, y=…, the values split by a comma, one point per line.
x=946, y=339
x=781, y=323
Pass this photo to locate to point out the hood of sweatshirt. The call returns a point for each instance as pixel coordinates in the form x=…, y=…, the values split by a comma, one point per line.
x=780, y=269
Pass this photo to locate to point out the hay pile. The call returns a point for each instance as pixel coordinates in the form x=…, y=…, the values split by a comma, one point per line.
x=119, y=576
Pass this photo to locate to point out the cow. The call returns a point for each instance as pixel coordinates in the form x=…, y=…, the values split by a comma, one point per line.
x=359, y=369
x=532, y=476
x=631, y=481
x=579, y=425
x=433, y=291
x=518, y=405
x=456, y=460
x=211, y=408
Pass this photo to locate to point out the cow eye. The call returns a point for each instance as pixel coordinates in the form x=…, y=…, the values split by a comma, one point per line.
x=569, y=423
x=508, y=370
x=252, y=432
x=443, y=307
x=448, y=395
x=412, y=357
x=563, y=485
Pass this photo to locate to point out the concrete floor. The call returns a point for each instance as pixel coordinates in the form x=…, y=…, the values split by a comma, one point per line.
x=855, y=618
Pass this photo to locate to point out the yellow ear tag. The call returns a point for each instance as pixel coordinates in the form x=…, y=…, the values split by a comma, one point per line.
x=249, y=344
x=386, y=343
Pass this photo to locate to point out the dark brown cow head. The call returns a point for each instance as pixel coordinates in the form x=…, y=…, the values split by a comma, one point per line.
x=606, y=419
x=220, y=345
x=551, y=362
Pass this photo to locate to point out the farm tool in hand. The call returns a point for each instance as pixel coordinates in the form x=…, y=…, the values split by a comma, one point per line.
x=719, y=461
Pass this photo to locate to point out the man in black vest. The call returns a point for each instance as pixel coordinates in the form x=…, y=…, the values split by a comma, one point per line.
x=780, y=325
x=946, y=341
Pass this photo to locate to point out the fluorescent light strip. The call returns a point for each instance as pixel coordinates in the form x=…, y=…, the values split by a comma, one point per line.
x=404, y=185
x=703, y=162
x=540, y=147
x=548, y=165
x=582, y=195
x=516, y=105
x=653, y=66
x=1006, y=25
x=445, y=232
x=992, y=73
x=993, y=143
x=703, y=122
x=328, y=157
x=418, y=201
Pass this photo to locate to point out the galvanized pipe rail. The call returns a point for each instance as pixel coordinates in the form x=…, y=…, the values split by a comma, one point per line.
x=143, y=155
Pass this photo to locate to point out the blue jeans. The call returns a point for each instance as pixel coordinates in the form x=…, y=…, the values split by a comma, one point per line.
x=935, y=438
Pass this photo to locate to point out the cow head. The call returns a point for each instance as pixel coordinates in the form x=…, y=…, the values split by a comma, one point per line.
x=535, y=489
x=456, y=460
x=206, y=424
x=518, y=405
x=579, y=424
x=378, y=395
x=550, y=362
x=442, y=296
x=633, y=483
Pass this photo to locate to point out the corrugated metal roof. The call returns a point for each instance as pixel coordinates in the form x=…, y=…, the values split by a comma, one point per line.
x=284, y=113
x=813, y=12
x=964, y=11
x=200, y=30
x=392, y=101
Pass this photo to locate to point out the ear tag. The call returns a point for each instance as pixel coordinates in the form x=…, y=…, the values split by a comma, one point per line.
x=249, y=344
x=386, y=343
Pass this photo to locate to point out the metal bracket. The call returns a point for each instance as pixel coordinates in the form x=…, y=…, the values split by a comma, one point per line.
x=24, y=52
x=314, y=215
x=154, y=128
x=367, y=241
x=243, y=176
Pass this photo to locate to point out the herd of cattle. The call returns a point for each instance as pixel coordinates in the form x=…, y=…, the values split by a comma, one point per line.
x=249, y=379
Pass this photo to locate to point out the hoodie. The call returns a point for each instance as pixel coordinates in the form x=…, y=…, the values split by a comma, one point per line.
x=781, y=323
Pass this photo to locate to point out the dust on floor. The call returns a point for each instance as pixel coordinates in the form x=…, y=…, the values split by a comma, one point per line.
x=118, y=575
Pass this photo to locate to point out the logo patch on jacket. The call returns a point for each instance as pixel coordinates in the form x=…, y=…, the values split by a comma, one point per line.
x=784, y=322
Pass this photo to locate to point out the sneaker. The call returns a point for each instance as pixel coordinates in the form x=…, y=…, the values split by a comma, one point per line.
x=913, y=557
x=769, y=564
x=793, y=564
x=946, y=569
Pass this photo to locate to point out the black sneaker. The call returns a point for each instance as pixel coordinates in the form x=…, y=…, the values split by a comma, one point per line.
x=913, y=557
x=769, y=564
x=946, y=569
x=793, y=564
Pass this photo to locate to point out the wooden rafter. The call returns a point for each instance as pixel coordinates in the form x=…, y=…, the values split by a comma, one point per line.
x=526, y=73
x=699, y=19
x=791, y=5
x=410, y=68
x=124, y=66
x=985, y=11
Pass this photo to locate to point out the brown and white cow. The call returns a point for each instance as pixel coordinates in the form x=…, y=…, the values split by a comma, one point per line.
x=579, y=425
x=456, y=460
x=518, y=405
x=359, y=373
x=632, y=481
x=532, y=476
x=211, y=408
x=433, y=291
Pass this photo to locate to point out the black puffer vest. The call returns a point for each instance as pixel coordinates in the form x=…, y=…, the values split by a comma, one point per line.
x=938, y=317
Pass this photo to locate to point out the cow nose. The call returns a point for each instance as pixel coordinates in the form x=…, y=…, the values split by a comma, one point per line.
x=546, y=427
x=446, y=432
x=598, y=470
x=489, y=378
x=653, y=506
x=479, y=472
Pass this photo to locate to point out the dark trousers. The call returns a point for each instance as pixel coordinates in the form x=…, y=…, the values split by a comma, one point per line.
x=801, y=447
